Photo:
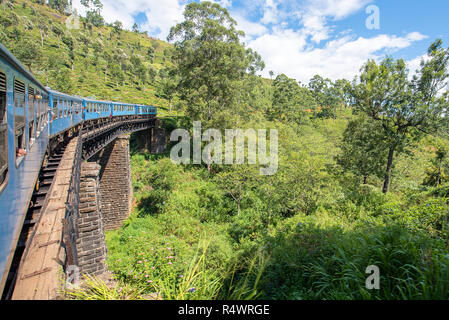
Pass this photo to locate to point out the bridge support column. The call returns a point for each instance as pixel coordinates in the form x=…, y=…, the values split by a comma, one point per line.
x=158, y=140
x=153, y=140
x=91, y=247
x=115, y=183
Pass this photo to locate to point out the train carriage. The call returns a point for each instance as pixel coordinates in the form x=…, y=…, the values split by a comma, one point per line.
x=31, y=116
x=65, y=111
x=24, y=136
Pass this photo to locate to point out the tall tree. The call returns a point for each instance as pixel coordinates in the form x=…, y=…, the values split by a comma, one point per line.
x=285, y=99
x=363, y=148
x=93, y=16
x=167, y=86
x=405, y=109
x=135, y=28
x=436, y=174
x=60, y=5
x=209, y=59
x=28, y=52
x=118, y=27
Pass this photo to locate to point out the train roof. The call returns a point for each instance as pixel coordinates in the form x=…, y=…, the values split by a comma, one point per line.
x=64, y=95
x=10, y=59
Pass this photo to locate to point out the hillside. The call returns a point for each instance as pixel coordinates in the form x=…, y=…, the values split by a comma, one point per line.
x=100, y=62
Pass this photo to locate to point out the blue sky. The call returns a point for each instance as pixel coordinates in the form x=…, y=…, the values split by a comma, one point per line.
x=302, y=38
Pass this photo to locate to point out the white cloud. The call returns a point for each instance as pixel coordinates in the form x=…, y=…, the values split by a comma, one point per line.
x=270, y=14
x=161, y=16
x=287, y=51
x=251, y=29
x=315, y=14
x=415, y=64
x=336, y=9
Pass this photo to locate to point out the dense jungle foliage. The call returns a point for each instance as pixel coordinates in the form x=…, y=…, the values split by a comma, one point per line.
x=362, y=177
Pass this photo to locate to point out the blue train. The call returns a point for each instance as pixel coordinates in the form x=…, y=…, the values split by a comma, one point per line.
x=31, y=115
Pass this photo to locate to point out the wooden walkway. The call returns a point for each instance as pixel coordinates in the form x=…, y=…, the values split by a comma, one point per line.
x=41, y=274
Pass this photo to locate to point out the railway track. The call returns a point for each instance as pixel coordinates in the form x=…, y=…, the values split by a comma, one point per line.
x=36, y=207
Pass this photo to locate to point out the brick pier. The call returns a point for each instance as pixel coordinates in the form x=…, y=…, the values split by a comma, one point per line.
x=90, y=245
x=115, y=183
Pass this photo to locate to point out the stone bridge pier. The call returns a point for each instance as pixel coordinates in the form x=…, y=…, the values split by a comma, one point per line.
x=106, y=196
x=116, y=190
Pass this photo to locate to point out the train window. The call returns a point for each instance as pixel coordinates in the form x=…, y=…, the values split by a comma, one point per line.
x=19, y=119
x=31, y=115
x=3, y=132
x=44, y=111
x=60, y=109
x=54, y=112
x=40, y=112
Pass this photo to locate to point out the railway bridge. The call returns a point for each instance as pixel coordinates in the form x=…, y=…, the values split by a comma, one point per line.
x=65, y=178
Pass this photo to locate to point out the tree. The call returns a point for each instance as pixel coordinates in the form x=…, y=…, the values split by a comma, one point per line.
x=43, y=29
x=28, y=52
x=318, y=86
x=118, y=27
x=436, y=174
x=139, y=69
x=271, y=74
x=68, y=41
x=117, y=74
x=63, y=81
x=342, y=89
x=209, y=59
x=150, y=53
x=235, y=181
x=405, y=109
x=326, y=95
x=135, y=28
x=59, y=5
x=285, y=98
x=362, y=148
x=167, y=86
x=93, y=16
x=98, y=47
x=59, y=32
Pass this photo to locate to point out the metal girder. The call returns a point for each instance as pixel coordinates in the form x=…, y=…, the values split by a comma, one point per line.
x=100, y=136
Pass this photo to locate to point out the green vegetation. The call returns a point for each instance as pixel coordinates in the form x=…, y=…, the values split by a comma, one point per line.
x=311, y=230
x=95, y=60
x=362, y=177
x=308, y=232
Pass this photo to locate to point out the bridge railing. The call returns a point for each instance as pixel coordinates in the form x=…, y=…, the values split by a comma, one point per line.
x=70, y=226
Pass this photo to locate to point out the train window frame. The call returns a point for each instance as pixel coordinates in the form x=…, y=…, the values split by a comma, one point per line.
x=45, y=104
x=31, y=119
x=60, y=108
x=19, y=160
x=4, y=172
x=41, y=114
x=54, y=111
